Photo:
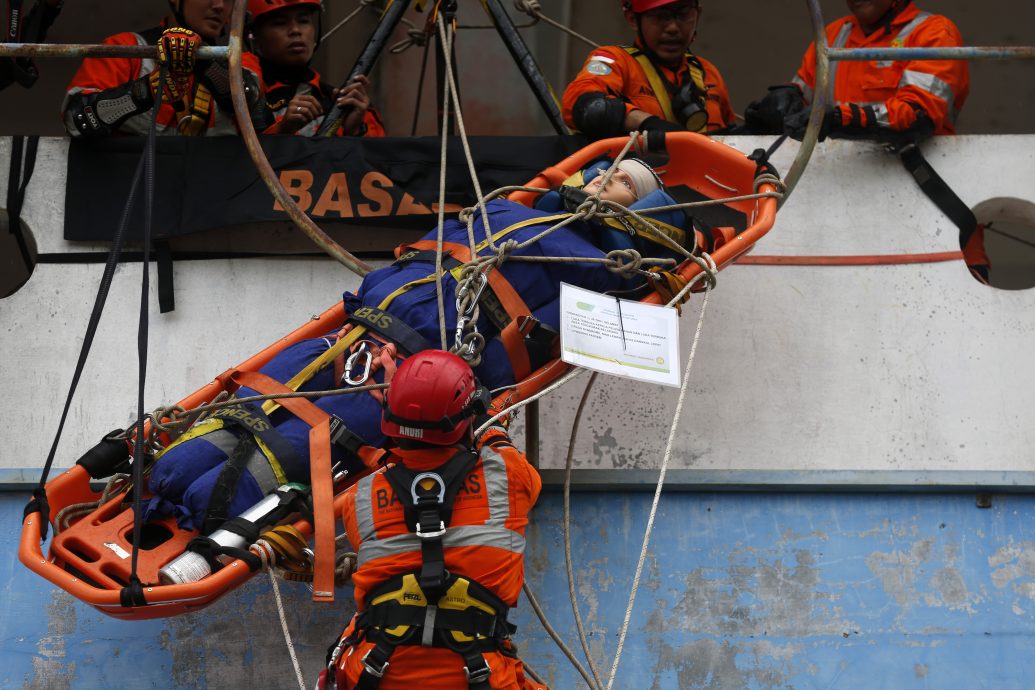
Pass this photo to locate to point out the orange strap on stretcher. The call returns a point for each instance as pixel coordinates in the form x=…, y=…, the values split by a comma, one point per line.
x=511, y=336
x=319, y=471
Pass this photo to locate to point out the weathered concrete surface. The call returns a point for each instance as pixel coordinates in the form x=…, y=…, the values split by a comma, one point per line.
x=876, y=368
x=759, y=591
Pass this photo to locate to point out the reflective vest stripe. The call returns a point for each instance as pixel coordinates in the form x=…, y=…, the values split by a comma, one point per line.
x=496, y=487
x=365, y=509
x=492, y=533
x=455, y=537
x=932, y=85
x=839, y=42
x=806, y=90
x=900, y=37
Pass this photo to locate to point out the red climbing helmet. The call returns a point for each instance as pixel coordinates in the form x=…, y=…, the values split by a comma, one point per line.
x=257, y=8
x=432, y=398
x=639, y=6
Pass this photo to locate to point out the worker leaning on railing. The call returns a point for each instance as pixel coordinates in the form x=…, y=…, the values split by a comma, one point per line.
x=117, y=95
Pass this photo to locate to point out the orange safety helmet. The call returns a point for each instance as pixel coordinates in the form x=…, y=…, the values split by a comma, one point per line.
x=639, y=6
x=433, y=398
x=257, y=8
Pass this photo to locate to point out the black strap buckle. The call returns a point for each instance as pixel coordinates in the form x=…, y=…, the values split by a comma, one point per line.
x=434, y=533
x=344, y=437
x=481, y=673
x=377, y=671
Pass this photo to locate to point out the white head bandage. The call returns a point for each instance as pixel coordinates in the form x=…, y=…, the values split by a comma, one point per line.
x=644, y=179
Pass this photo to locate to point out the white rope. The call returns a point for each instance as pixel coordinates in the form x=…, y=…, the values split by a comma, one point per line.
x=567, y=534
x=657, y=497
x=287, y=633
x=447, y=42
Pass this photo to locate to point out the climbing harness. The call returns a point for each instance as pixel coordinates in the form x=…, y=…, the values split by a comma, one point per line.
x=432, y=607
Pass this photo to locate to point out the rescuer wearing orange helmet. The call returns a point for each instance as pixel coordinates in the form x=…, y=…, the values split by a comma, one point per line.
x=117, y=95
x=656, y=85
x=923, y=96
x=284, y=36
x=440, y=541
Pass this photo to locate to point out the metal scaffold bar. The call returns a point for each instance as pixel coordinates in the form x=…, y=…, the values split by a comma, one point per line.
x=964, y=53
x=98, y=50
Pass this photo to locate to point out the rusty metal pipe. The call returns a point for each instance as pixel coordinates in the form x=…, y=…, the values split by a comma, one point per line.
x=262, y=164
x=819, y=102
x=98, y=50
x=958, y=53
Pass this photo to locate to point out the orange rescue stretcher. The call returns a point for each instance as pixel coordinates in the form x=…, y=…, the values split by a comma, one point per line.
x=88, y=559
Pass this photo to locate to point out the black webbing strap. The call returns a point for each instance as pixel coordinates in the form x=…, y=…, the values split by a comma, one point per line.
x=219, y=500
x=430, y=514
x=938, y=191
x=95, y=316
x=166, y=293
x=391, y=327
x=23, y=162
x=254, y=421
x=141, y=452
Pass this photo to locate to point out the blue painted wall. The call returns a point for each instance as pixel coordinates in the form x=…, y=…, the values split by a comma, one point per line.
x=753, y=591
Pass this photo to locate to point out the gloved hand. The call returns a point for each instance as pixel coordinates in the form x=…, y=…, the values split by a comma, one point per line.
x=794, y=125
x=657, y=124
x=177, y=51
x=656, y=128
x=766, y=116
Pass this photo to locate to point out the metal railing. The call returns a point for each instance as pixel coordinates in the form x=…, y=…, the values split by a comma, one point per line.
x=825, y=54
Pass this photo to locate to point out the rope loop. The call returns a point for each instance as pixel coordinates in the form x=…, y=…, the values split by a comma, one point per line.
x=624, y=261
x=530, y=7
x=769, y=178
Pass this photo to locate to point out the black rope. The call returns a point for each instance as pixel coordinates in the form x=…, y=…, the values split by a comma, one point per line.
x=23, y=162
x=91, y=331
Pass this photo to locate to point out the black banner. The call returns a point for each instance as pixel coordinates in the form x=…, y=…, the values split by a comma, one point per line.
x=208, y=183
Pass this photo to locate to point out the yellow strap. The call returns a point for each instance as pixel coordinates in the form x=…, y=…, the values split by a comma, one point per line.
x=658, y=84
x=641, y=228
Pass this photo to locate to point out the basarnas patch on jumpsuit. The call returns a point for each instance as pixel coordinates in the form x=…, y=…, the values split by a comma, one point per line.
x=599, y=65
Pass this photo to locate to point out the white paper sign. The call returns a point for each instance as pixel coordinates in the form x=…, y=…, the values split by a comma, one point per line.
x=620, y=337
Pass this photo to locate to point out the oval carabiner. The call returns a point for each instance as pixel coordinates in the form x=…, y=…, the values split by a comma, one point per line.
x=350, y=364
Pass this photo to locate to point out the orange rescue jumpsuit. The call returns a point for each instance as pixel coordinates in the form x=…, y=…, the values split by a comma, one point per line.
x=281, y=89
x=611, y=70
x=888, y=93
x=100, y=74
x=485, y=542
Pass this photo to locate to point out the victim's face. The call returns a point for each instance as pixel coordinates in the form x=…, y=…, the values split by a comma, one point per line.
x=620, y=189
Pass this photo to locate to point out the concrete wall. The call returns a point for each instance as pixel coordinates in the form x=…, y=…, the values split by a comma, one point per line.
x=881, y=371
x=754, y=43
x=756, y=591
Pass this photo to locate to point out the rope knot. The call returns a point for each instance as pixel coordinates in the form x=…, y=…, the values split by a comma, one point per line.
x=504, y=250
x=529, y=7
x=590, y=208
x=624, y=261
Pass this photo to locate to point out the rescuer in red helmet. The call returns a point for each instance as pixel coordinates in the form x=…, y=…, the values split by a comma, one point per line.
x=117, y=95
x=284, y=35
x=439, y=537
x=656, y=85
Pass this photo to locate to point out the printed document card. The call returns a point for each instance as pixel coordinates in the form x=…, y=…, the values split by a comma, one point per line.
x=620, y=337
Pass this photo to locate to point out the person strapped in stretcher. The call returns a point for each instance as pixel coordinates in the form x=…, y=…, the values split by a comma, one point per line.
x=232, y=459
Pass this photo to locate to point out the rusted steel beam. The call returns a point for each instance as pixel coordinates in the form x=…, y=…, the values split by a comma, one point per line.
x=964, y=53
x=819, y=102
x=99, y=50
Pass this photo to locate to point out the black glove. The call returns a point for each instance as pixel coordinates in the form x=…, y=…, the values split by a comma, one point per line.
x=657, y=124
x=767, y=115
x=572, y=197
x=794, y=125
